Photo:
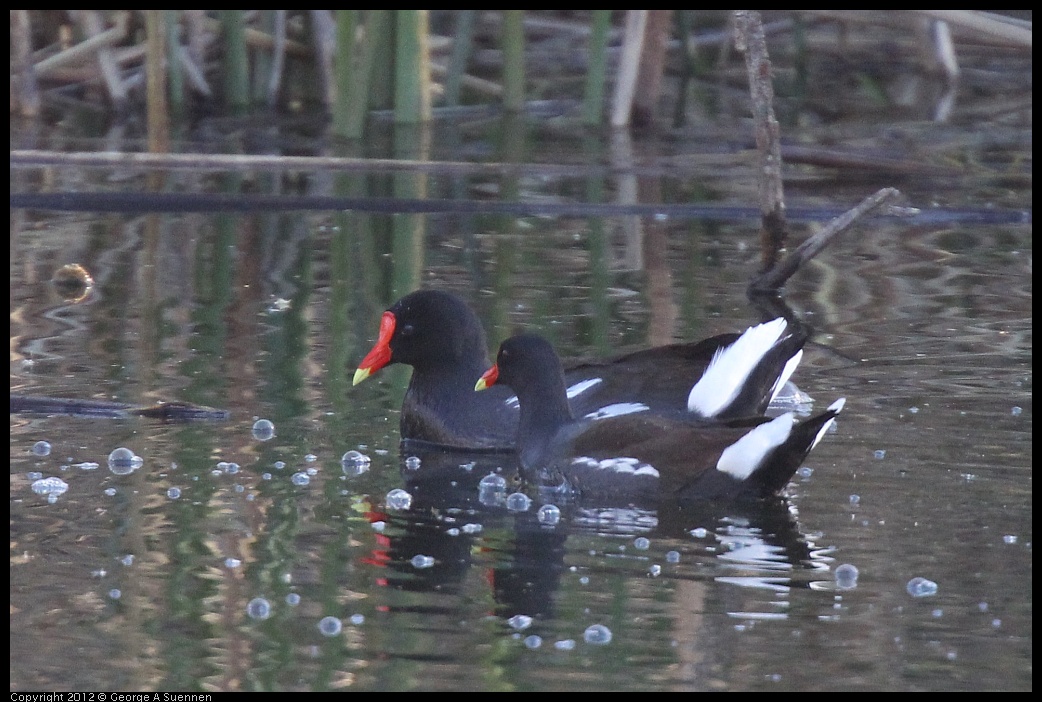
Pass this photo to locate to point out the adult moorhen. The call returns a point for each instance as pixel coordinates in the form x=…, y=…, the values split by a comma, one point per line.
x=643, y=456
x=440, y=336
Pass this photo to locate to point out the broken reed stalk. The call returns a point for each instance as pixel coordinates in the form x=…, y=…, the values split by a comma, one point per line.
x=750, y=40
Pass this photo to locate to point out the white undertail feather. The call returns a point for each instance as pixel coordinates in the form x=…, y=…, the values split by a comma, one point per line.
x=731, y=366
x=787, y=371
x=743, y=457
x=836, y=407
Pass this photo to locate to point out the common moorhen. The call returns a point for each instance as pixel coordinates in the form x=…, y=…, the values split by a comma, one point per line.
x=646, y=455
x=440, y=336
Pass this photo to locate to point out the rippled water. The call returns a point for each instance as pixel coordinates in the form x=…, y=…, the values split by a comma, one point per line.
x=243, y=543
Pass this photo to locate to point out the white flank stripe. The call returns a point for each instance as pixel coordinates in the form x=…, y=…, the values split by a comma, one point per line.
x=731, y=366
x=623, y=464
x=743, y=457
x=582, y=386
x=617, y=409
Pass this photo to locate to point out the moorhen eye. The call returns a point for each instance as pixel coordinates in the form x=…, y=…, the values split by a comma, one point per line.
x=406, y=330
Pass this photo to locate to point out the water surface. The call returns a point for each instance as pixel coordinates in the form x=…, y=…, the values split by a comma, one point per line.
x=151, y=580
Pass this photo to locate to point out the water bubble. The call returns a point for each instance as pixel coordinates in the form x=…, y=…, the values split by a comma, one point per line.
x=699, y=533
x=354, y=463
x=564, y=644
x=641, y=543
x=413, y=463
x=492, y=489
x=300, y=479
x=921, y=587
x=293, y=599
x=279, y=304
x=655, y=570
x=230, y=562
x=548, y=515
x=1009, y=539
x=357, y=619
x=672, y=556
x=122, y=461
x=518, y=502
x=880, y=454
x=258, y=608
x=53, y=488
x=533, y=641
x=398, y=499
x=41, y=448
x=173, y=493
x=263, y=430
x=422, y=561
x=1016, y=411
x=115, y=593
x=520, y=622
x=597, y=634
x=329, y=626
x=846, y=576
x=493, y=480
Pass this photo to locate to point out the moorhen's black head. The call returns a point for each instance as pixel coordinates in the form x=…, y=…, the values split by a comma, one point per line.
x=423, y=329
x=526, y=362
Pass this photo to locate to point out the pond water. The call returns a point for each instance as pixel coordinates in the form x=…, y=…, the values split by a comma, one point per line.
x=228, y=562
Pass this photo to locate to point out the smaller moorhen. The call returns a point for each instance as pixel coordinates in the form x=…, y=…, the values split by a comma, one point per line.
x=440, y=336
x=647, y=455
